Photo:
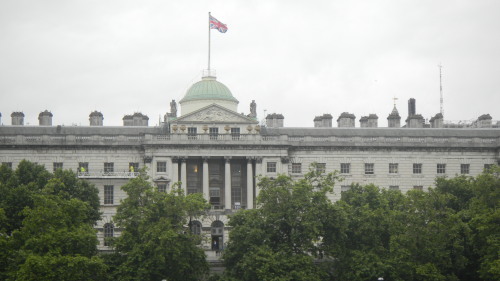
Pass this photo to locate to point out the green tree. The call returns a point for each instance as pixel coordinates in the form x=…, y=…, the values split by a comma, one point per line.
x=46, y=225
x=373, y=216
x=485, y=222
x=155, y=242
x=281, y=239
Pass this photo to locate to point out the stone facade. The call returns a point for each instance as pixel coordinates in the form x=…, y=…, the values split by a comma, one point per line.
x=219, y=152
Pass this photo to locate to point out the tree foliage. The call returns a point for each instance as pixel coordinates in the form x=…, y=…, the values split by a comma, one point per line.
x=46, y=224
x=155, y=242
x=281, y=239
x=450, y=232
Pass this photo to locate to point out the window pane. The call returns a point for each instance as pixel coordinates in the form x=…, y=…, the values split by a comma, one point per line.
x=393, y=168
x=417, y=168
x=162, y=187
x=345, y=168
x=369, y=168
x=57, y=165
x=83, y=167
x=464, y=168
x=133, y=167
x=441, y=168
x=109, y=167
x=161, y=167
x=296, y=168
x=321, y=167
x=108, y=194
x=108, y=233
x=271, y=167
x=344, y=188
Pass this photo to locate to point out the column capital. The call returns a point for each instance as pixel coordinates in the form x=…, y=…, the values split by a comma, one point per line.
x=183, y=159
x=205, y=158
x=227, y=159
x=258, y=159
x=175, y=159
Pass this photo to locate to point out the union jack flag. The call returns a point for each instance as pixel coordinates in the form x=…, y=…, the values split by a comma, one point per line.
x=215, y=24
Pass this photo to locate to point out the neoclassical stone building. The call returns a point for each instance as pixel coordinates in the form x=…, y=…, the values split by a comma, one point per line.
x=213, y=149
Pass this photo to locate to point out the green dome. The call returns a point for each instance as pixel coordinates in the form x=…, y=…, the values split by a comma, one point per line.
x=208, y=89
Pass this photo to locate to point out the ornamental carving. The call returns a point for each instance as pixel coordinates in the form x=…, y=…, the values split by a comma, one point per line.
x=212, y=115
x=215, y=114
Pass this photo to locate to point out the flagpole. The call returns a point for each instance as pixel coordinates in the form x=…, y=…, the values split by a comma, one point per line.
x=208, y=43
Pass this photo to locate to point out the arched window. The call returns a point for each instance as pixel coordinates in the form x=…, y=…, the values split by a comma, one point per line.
x=196, y=227
x=108, y=233
x=217, y=228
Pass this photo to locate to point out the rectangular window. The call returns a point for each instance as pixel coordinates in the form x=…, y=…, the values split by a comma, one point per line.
x=194, y=178
x=162, y=187
x=192, y=132
x=393, y=187
x=57, y=165
x=235, y=133
x=345, y=188
x=83, y=167
x=296, y=168
x=464, y=169
x=393, y=168
x=369, y=168
x=8, y=164
x=441, y=168
x=418, y=187
x=214, y=133
x=417, y=168
x=108, y=194
x=271, y=167
x=488, y=166
x=133, y=167
x=345, y=168
x=237, y=197
x=321, y=167
x=109, y=167
x=161, y=167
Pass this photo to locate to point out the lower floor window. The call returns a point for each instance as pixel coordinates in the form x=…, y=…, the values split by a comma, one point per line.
x=109, y=230
x=464, y=169
x=296, y=168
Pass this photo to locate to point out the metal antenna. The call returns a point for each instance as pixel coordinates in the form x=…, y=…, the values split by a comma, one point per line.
x=441, y=89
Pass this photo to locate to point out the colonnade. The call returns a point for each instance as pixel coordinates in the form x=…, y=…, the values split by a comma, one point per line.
x=182, y=161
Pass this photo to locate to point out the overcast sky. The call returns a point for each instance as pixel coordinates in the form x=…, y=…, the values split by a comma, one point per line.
x=297, y=58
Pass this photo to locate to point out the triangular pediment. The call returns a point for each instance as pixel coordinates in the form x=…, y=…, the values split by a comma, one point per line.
x=215, y=113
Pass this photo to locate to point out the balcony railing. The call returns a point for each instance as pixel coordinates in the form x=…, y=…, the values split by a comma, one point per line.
x=492, y=140
x=114, y=175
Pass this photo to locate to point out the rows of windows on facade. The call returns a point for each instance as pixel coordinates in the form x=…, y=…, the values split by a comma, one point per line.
x=213, y=132
x=344, y=168
x=369, y=168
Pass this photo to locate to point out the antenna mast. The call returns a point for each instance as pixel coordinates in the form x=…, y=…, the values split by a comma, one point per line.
x=441, y=89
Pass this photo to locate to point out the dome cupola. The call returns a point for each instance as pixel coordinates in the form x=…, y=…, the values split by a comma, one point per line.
x=206, y=92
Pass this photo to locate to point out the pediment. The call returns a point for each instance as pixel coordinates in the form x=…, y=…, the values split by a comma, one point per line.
x=215, y=114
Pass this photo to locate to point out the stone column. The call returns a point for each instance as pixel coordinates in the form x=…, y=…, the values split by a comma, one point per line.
x=175, y=170
x=227, y=183
x=183, y=175
x=249, y=183
x=206, y=193
x=258, y=171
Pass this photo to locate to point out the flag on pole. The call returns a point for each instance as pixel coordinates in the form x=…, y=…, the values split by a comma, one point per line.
x=215, y=24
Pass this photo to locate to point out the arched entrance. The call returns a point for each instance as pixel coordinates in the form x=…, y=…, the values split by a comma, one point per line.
x=217, y=232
